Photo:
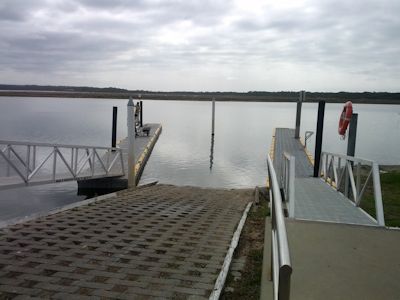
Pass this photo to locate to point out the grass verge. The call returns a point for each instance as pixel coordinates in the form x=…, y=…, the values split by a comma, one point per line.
x=250, y=247
x=390, y=184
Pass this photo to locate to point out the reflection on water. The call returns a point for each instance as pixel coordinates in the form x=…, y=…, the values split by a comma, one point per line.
x=211, y=152
x=184, y=154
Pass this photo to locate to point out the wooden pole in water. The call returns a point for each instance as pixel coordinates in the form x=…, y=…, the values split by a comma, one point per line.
x=114, y=127
x=318, y=137
x=213, y=116
x=131, y=143
x=302, y=96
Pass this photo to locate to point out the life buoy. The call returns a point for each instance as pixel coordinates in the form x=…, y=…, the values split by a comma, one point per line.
x=345, y=117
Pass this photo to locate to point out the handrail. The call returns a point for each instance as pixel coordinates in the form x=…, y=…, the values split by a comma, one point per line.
x=23, y=143
x=76, y=160
x=288, y=176
x=307, y=135
x=281, y=267
x=342, y=170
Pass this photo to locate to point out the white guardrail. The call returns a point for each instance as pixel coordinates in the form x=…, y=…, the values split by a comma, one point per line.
x=281, y=268
x=287, y=179
x=343, y=172
x=40, y=163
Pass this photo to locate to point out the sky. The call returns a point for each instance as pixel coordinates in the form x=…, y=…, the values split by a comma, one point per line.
x=204, y=45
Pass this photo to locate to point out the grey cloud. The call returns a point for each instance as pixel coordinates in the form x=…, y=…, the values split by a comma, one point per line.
x=359, y=37
x=18, y=10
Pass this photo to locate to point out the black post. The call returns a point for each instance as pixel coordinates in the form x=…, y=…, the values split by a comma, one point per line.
x=318, y=137
x=298, y=114
x=114, y=127
x=141, y=113
x=351, y=143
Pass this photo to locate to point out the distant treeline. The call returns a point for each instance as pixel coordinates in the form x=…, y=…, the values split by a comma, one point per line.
x=259, y=96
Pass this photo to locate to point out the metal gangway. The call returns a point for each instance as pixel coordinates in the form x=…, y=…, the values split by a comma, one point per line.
x=30, y=163
x=336, y=195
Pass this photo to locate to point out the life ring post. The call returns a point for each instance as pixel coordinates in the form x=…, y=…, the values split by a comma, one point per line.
x=351, y=143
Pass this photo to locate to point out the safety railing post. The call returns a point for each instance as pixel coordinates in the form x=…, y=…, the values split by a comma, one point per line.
x=76, y=160
x=378, y=195
x=34, y=158
x=291, y=186
x=28, y=163
x=54, y=162
x=93, y=158
x=131, y=144
x=9, y=158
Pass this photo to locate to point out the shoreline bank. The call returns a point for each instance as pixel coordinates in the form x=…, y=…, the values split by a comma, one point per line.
x=274, y=97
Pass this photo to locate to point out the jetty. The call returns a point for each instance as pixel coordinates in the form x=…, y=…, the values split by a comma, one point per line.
x=95, y=168
x=324, y=245
x=143, y=144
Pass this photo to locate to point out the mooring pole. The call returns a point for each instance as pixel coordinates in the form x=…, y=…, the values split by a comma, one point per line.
x=351, y=149
x=318, y=137
x=141, y=113
x=351, y=143
x=213, y=116
x=114, y=127
x=131, y=143
x=302, y=95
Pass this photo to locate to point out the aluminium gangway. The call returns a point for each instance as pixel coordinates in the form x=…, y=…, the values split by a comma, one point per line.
x=334, y=196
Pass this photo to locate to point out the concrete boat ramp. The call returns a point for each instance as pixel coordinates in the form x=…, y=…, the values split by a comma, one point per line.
x=153, y=242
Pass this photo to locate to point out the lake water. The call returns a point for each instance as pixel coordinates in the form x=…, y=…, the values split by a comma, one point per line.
x=182, y=155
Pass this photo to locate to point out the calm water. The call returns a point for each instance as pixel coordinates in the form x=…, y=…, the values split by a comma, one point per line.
x=182, y=154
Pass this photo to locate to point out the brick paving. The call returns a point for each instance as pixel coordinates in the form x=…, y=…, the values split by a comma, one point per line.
x=156, y=242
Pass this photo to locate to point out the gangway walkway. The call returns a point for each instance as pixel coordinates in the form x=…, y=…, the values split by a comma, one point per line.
x=27, y=163
x=316, y=200
x=285, y=142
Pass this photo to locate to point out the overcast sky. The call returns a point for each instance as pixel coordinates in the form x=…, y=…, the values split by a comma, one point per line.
x=203, y=45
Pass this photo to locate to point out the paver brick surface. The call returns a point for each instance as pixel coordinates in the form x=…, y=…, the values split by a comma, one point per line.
x=156, y=242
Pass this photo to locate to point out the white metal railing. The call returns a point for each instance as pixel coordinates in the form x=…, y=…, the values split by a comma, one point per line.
x=344, y=173
x=40, y=163
x=307, y=136
x=287, y=180
x=281, y=268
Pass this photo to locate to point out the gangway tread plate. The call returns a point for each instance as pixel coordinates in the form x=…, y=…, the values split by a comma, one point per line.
x=285, y=142
x=316, y=200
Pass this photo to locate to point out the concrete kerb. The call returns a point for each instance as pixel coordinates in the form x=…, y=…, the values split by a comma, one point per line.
x=266, y=291
x=219, y=283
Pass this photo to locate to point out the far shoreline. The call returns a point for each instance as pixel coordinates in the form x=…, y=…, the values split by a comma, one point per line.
x=181, y=96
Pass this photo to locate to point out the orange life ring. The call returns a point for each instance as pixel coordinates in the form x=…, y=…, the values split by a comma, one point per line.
x=345, y=117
